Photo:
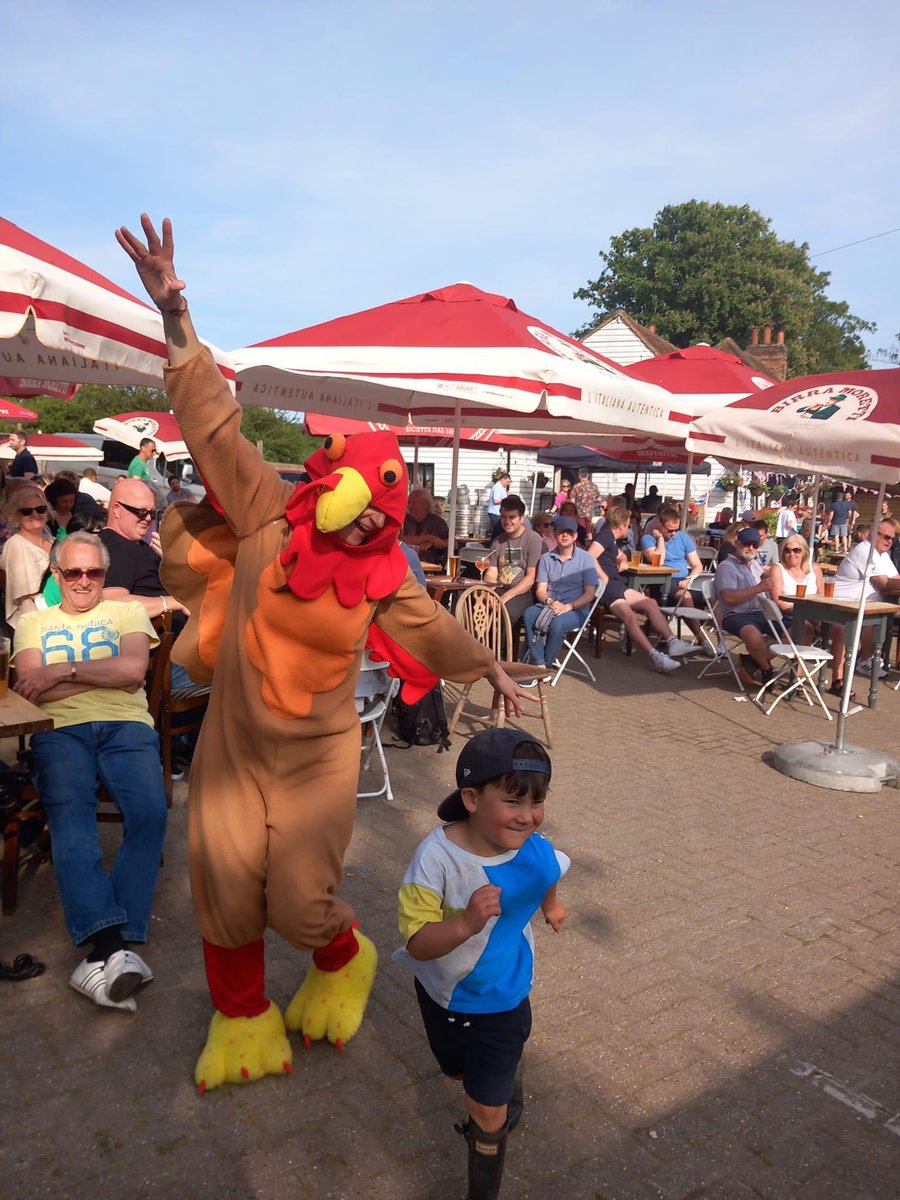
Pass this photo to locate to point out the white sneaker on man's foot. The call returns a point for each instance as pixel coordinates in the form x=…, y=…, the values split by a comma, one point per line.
x=676, y=647
x=125, y=972
x=89, y=979
x=662, y=662
x=864, y=667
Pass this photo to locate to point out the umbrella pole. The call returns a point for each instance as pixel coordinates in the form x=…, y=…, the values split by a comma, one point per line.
x=454, y=471
x=416, y=461
x=851, y=654
x=812, y=524
x=686, y=502
x=533, y=492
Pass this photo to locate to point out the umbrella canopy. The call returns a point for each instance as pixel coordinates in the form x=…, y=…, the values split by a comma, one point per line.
x=454, y=355
x=60, y=320
x=430, y=435
x=51, y=447
x=132, y=427
x=598, y=458
x=845, y=424
x=15, y=412
x=708, y=376
x=27, y=389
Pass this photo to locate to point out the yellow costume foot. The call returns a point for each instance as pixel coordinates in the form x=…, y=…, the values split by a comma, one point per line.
x=239, y=1049
x=332, y=1003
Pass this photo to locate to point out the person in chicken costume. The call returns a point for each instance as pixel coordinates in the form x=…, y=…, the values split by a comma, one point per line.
x=286, y=587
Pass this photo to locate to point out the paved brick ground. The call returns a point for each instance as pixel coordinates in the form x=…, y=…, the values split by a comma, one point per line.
x=718, y=1019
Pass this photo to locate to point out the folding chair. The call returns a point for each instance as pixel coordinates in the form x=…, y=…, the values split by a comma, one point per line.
x=802, y=663
x=684, y=612
x=371, y=719
x=570, y=647
x=721, y=647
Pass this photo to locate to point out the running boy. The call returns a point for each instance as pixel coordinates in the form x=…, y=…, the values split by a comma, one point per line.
x=466, y=904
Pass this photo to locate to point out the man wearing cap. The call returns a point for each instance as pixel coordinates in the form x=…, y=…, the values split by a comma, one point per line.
x=566, y=584
x=739, y=582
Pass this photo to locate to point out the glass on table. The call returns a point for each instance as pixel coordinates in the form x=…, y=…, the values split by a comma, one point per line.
x=481, y=565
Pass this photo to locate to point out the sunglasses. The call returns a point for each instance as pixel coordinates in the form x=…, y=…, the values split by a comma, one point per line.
x=40, y=509
x=793, y=549
x=73, y=574
x=885, y=537
x=142, y=514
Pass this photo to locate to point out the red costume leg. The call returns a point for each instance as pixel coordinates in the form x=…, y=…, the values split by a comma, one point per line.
x=338, y=952
x=236, y=978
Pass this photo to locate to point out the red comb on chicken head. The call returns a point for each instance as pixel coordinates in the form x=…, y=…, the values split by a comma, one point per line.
x=347, y=519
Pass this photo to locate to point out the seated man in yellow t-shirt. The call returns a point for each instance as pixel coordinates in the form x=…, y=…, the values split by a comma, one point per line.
x=84, y=662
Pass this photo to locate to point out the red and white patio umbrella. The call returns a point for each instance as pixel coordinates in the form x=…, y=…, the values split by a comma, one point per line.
x=60, y=320
x=453, y=356
x=53, y=447
x=845, y=424
x=14, y=412
x=708, y=377
x=28, y=389
x=429, y=435
x=132, y=427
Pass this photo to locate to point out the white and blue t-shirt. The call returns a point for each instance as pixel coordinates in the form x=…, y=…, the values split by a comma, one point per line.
x=493, y=970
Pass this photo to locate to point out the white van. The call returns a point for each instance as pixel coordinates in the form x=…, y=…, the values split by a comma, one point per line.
x=117, y=457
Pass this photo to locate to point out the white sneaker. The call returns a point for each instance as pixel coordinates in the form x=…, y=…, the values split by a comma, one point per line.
x=124, y=973
x=662, y=662
x=89, y=979
x=864, y=667
x=677, y=647
x=712, y=651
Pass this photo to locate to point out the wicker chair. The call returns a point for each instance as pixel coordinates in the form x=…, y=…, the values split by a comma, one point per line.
x=482, y=613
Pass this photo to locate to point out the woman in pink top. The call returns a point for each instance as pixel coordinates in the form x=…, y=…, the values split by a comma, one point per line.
x=561, y=496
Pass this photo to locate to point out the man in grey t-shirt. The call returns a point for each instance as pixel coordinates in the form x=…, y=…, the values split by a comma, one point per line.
x=739, y=581
x=514, y=555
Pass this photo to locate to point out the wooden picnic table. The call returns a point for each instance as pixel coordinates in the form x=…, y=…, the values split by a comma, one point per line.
x=19, y=717
x=442, y=585
x=646, y=576
x=831, y=611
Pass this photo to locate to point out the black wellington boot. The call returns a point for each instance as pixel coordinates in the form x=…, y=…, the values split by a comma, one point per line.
x=487, y=1153
x=517, y=1099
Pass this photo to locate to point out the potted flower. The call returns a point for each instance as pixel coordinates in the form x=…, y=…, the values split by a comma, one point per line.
x=776, y=491
x=730, y=482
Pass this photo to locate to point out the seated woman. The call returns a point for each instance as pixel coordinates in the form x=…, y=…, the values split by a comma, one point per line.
x=542, y=524
x=26, y=555
x=795, y=566
x=61, y=495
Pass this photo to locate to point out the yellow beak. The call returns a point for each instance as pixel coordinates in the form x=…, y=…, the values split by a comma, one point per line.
x=342, y=504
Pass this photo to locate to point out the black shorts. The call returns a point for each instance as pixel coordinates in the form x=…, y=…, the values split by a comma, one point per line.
x=614, y=590
x=484, y=1048
x=735, y=622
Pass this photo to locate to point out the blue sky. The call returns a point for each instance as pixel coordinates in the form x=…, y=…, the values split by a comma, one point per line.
x=320, y=159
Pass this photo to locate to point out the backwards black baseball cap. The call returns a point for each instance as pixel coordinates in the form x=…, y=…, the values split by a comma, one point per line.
x=488, y=755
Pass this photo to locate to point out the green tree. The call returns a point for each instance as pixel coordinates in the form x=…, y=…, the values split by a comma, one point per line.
x=891, y=353
x=705, y=272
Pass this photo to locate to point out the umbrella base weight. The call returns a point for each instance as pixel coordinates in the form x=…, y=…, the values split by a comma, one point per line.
x=853, y=769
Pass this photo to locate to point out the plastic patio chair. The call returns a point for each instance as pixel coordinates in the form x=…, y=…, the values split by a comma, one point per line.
x=703, y=616
x=721, y=647
x=371, y=719
x=802, y=664
x=570, y=647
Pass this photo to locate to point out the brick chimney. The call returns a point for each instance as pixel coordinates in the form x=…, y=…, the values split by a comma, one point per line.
x=772, y=358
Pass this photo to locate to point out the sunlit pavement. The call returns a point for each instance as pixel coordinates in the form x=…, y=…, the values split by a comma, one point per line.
x=719, y=1018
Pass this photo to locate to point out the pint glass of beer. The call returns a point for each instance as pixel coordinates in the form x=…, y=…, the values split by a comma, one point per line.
x=4, y=666
x=453, y=566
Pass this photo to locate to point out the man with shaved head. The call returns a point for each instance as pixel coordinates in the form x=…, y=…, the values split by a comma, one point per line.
x=133, y=563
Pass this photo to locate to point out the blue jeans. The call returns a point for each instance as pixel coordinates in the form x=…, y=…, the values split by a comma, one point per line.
x=124, y=756
x=545, y=651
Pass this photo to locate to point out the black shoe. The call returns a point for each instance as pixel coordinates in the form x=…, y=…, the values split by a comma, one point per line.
x=748, y=670
x=837, y=689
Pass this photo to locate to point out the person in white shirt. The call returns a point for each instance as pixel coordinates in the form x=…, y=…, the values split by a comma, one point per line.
x=850, y=583
x=89, y=485
x=787, y=522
